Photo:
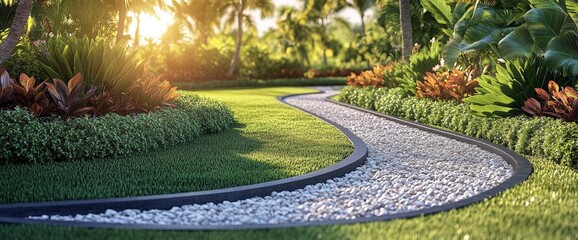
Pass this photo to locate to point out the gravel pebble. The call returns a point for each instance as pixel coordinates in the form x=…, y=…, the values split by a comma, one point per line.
x=407, y=170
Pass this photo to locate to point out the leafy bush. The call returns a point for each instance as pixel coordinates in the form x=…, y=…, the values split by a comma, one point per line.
x=504, y=95
x=25, y=60
x=379, y=76
x=452, y=85
x=150, y=93
x=71, y=99
x=550, y=30
x=32, y=96
x=100, y=64
x=544, y=137
x=27, y=139
x=408, y=73
x=195, y=62
x=558, y=103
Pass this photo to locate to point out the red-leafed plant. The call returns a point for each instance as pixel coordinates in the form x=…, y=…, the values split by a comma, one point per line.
x=150, y=93
x=452, y=85
x=374, y=77
x=6, y=90
x=110, y=102
x=71, y=99
x=33, y=96
x=558, y=103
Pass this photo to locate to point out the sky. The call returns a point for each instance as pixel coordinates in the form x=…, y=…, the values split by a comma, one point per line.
x=155, y=26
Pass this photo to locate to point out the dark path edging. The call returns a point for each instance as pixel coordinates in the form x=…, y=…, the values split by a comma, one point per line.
x=15, y=213
x=522, y=170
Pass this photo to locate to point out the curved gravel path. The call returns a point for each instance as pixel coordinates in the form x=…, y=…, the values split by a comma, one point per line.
x=406, y=170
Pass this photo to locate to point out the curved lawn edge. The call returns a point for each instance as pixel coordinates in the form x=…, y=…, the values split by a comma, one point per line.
x=16, y=213
x=522, y=170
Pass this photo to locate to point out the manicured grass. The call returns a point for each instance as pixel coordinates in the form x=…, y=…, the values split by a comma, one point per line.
x=543, y=207
x=255, y=83
x=272, y=141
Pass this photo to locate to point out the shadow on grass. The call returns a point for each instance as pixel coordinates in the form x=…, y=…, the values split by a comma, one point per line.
x=209, y=162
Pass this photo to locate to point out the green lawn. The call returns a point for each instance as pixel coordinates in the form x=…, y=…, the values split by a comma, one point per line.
x=543, y=207
x=272, y=141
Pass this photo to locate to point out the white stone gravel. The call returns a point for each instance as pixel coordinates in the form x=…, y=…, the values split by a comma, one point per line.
x=407, y=170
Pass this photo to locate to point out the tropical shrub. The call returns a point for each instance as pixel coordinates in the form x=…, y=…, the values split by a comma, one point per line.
x=71, y=99
x=27, y=139
x=24, y=59
x=544, y=137
x=407, y=73
x=150, y=93
x=504, y=94
x=195, y=62
x=379, y=76
x=99, y=64
x=447, y=85
x=559, y=103
x=550, y=30
x=32, y=96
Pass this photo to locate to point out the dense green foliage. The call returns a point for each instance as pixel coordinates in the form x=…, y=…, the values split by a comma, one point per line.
x=254, y=83
x=100, y=65
x=270, y=141
x=28, y=139
x=503, y=95
x=541, y=137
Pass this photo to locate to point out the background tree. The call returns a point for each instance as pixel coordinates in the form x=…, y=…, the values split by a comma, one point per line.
x=320, y=12
x=406, y=28
x=200, y=17
x=361, y=6
x=266, y=7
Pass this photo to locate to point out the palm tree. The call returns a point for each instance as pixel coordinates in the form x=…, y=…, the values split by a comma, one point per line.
x=20, y=20
x=122, y=8
x=294, y=32
x=200, y=16
x=406, y=29
x=361, y=6
x=266, y=8
x=320, y=11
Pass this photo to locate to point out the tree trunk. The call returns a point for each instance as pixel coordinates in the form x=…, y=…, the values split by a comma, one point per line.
x=121, y=20
x=16, y=29
x=406, y=31
x=137, y=31
x=236, y=58
x=324, y=47
x=362, y=14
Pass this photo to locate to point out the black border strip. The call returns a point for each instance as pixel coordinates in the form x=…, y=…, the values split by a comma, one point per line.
x=522, y=170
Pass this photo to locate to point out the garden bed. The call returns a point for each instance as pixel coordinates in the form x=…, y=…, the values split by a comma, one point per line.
x=548, y=138
x=27, y=139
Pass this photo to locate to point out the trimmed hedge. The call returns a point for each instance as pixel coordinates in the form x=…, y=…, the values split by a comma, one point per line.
x=549, y=138
x=253, y=83
x=27, y=139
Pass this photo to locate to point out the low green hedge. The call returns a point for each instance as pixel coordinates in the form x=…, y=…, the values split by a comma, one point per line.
x=26, y=139
x=253, y=83
x=541, y=137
